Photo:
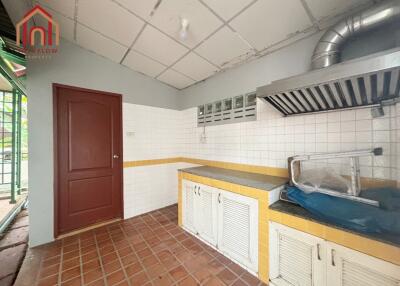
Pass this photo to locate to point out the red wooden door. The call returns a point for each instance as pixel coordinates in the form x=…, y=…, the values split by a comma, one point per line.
x=88, y=165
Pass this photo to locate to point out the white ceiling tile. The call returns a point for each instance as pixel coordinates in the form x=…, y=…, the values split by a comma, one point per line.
x=158, y=46
x=175, y=79
x=223, y=47
x=65, y=7
x=195, y=67
x=99, y=44
x=202, y=22
x=269, y=21
x=227, y=8
x=110, y=19
x=139, y=7
x=66, y=25
x=328, y=8
x=143, y=64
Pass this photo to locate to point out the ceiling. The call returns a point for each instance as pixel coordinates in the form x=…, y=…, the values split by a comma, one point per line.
x=144, y=34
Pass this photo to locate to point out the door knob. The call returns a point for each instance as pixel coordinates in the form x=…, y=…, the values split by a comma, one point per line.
x=115, y=156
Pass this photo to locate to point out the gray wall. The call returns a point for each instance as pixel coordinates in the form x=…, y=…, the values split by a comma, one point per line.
x=288, y=61
x=78, y=67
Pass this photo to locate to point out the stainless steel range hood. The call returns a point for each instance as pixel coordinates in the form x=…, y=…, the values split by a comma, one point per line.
x=359, y=82
x=356, y=83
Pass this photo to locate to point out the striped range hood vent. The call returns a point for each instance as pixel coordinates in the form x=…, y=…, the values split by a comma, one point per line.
x=361, y=82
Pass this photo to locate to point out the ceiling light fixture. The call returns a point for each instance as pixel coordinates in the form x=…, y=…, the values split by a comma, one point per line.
x=183, y=33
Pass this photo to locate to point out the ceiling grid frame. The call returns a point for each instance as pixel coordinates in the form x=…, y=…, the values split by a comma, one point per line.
x=225, y=20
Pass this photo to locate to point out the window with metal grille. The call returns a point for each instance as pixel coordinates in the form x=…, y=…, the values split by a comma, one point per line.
x=13, y=143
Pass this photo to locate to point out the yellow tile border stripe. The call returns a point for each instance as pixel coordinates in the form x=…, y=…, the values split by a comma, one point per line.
x=272, y=171
x=279, y=172
x=140, y=163
x=353, y=241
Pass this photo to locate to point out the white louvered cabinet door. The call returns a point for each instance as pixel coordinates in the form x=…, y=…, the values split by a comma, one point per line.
x=347, y=267
x=296, y=258
x=238, y=228
x=189, y=206
x=207, y=213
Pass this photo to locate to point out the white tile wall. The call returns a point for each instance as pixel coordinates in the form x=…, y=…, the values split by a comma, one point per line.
x=150, y=133
x=271, y=139
x=153, y=133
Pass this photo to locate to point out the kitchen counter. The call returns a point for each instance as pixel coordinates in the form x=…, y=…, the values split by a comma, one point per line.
x=257, y=181
x=298, y=211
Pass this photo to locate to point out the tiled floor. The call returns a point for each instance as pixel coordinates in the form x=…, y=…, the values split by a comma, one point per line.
x=147, y=250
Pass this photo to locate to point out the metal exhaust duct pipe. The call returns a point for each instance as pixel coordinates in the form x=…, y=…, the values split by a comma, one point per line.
x=327, y=51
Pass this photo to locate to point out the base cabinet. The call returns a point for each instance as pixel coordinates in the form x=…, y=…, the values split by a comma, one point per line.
x=296, y=258
x=300, y=259
x=225, y=220
x=347, y=267
x=238, y=228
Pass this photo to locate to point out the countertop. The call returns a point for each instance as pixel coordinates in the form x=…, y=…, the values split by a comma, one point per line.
x=257, y=181
x=298, y=211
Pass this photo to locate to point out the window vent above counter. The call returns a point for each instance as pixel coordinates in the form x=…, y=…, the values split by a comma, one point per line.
x=230, y=110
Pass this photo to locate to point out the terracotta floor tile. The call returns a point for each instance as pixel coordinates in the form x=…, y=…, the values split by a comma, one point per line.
x=48, y=281
x=112, y=267
x=93, y=264
x=109, y=258
x=215, y=266
x=148, y=250
x=192, y=265
x=50, y=270
x=87, y=249
x=71, y=254
x=115, y=278
x=188, y=281
x=163, y=280
x=51, y=261
x=99, y=282
x=70, y=273
x=77, y=281
x=144, y=252
x=239, y=282
x=89, y=256
x=129, y=259
x=214, y=281
x=202, y=275
x=149, y=261
x=139, y=279
x=125, y=251
x=69, y=248
x=236, y=269
x=155, y=270
x=70, y=263
x=250, y=279
x=224, y=260
x=93, y=275
x=227, y=276
x=178, y=273
x=133, y=269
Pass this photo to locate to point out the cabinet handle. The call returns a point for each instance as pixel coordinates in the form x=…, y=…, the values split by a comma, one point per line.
x=198, y=191
x=219, y=198
x=333, y=257
x=195, y=190
x=318, y=251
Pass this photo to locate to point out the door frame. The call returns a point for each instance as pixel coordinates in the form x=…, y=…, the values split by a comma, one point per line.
x=55, y=87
